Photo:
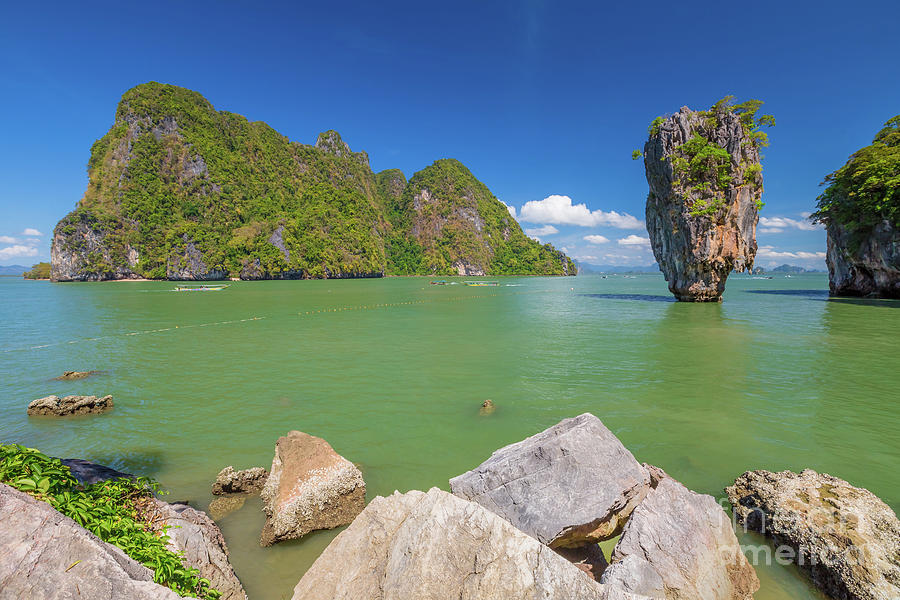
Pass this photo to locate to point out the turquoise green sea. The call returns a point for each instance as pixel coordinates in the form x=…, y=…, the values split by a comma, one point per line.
x=392, y=372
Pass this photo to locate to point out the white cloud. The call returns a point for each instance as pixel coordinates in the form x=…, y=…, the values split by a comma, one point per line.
x=541, y=231
x=779, y=224
x=634, y=240
x=32, y=232
x=5, y=239
x=559, y=210
x=511, y=209
x=771, y=254
x=596, y=239
x=17, y=250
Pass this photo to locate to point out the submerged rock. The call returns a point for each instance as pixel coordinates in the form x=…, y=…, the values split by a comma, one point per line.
x=570, y=485
x=310, y=487
x=434, y=546
x=88, y=473
x=223, y=506
x=70, y=405
x=687, y=540
x=192, y=533
x=487, y=408
x=864, y=264
x=845, y=537
x=70, y=375
x=48, y=556
x=245, y=481
x=705, y=186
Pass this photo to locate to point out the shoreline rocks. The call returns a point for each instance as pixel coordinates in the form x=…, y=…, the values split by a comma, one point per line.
x=702, y=213
x=70, y=405
x=47, y=555
x=434, y=546
x=570, y=485
x=687, y=540
x=310, y=487
x=245, y=481
x=844, y=537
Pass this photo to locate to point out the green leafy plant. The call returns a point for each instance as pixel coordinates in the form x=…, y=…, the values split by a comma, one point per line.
x=114, y=510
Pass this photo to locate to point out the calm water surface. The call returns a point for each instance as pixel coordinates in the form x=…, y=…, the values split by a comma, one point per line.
x=392, y=373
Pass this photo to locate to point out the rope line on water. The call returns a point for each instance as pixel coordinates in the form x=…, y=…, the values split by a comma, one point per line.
x=375, y=306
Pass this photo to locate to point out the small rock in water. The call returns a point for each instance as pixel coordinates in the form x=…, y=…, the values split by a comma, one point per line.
x=487, y=407
x=69, y=375
x=88, y=473
x=845, y=537
x=245, y=481
x=223, y=506
x=310, y=487
x=70, y=405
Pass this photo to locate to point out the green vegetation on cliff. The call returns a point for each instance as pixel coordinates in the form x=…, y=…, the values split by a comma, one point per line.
x=38, y=271
x=866, y=190
x=178, y=189
x=113, y=510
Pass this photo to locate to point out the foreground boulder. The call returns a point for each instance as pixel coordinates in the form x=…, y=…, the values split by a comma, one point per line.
x=845, y=537
x=47, y=556
x=70, y=405
x=310, y=487
x=246, y=481
x=679, y=545
x=568, y=486
x=434, y=546
x=194, y=534
x=703, y=169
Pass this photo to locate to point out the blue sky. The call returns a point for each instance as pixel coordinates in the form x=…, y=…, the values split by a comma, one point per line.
x=539, y=99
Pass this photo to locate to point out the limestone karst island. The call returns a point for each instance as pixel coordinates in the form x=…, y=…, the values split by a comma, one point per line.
x=475, y=301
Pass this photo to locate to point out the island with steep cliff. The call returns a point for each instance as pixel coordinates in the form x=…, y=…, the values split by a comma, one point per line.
x=705, y=178
x=860, y=208
x=178, y=190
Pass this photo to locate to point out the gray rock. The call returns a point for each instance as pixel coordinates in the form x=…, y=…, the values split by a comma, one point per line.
x=845, y=537
x=866, y=267
x=186, y=263
x=434, y=546
x=87, y=472
x=47, y=556
x=697, y=252
x=194, y=534
x=245, y=481
x=635, y=575
x=70, y=405
x=79, y=239
x=688, y=540
x=310, y=487
x=570, y=485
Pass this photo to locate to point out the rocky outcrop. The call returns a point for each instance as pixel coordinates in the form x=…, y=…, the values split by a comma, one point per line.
x=47, y=556
x=688, y=541
x=845, y=537
x=70, y=405
x=70, y=375
x=186, y=264
x=192, y=533
x=245, y=481
x=568, y=486
x=86, y=248
x=310, y=487
x=705, y=187
x=434, y=546
x=864, y=263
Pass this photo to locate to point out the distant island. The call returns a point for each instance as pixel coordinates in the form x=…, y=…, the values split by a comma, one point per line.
x=12, y=270
x=38, y=271
x=178, y=190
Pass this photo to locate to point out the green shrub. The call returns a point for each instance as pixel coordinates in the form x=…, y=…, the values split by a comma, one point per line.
x=112, y=510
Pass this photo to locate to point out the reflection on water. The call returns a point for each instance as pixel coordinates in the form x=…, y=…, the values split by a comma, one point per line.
x=393, y=373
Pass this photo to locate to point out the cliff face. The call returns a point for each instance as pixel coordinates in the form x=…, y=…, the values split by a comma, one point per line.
x=178, y=190
x=861, y=210
x=866, y=266
x=705, y=183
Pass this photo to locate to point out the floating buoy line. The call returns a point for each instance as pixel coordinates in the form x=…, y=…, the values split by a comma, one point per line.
x=375, y=306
